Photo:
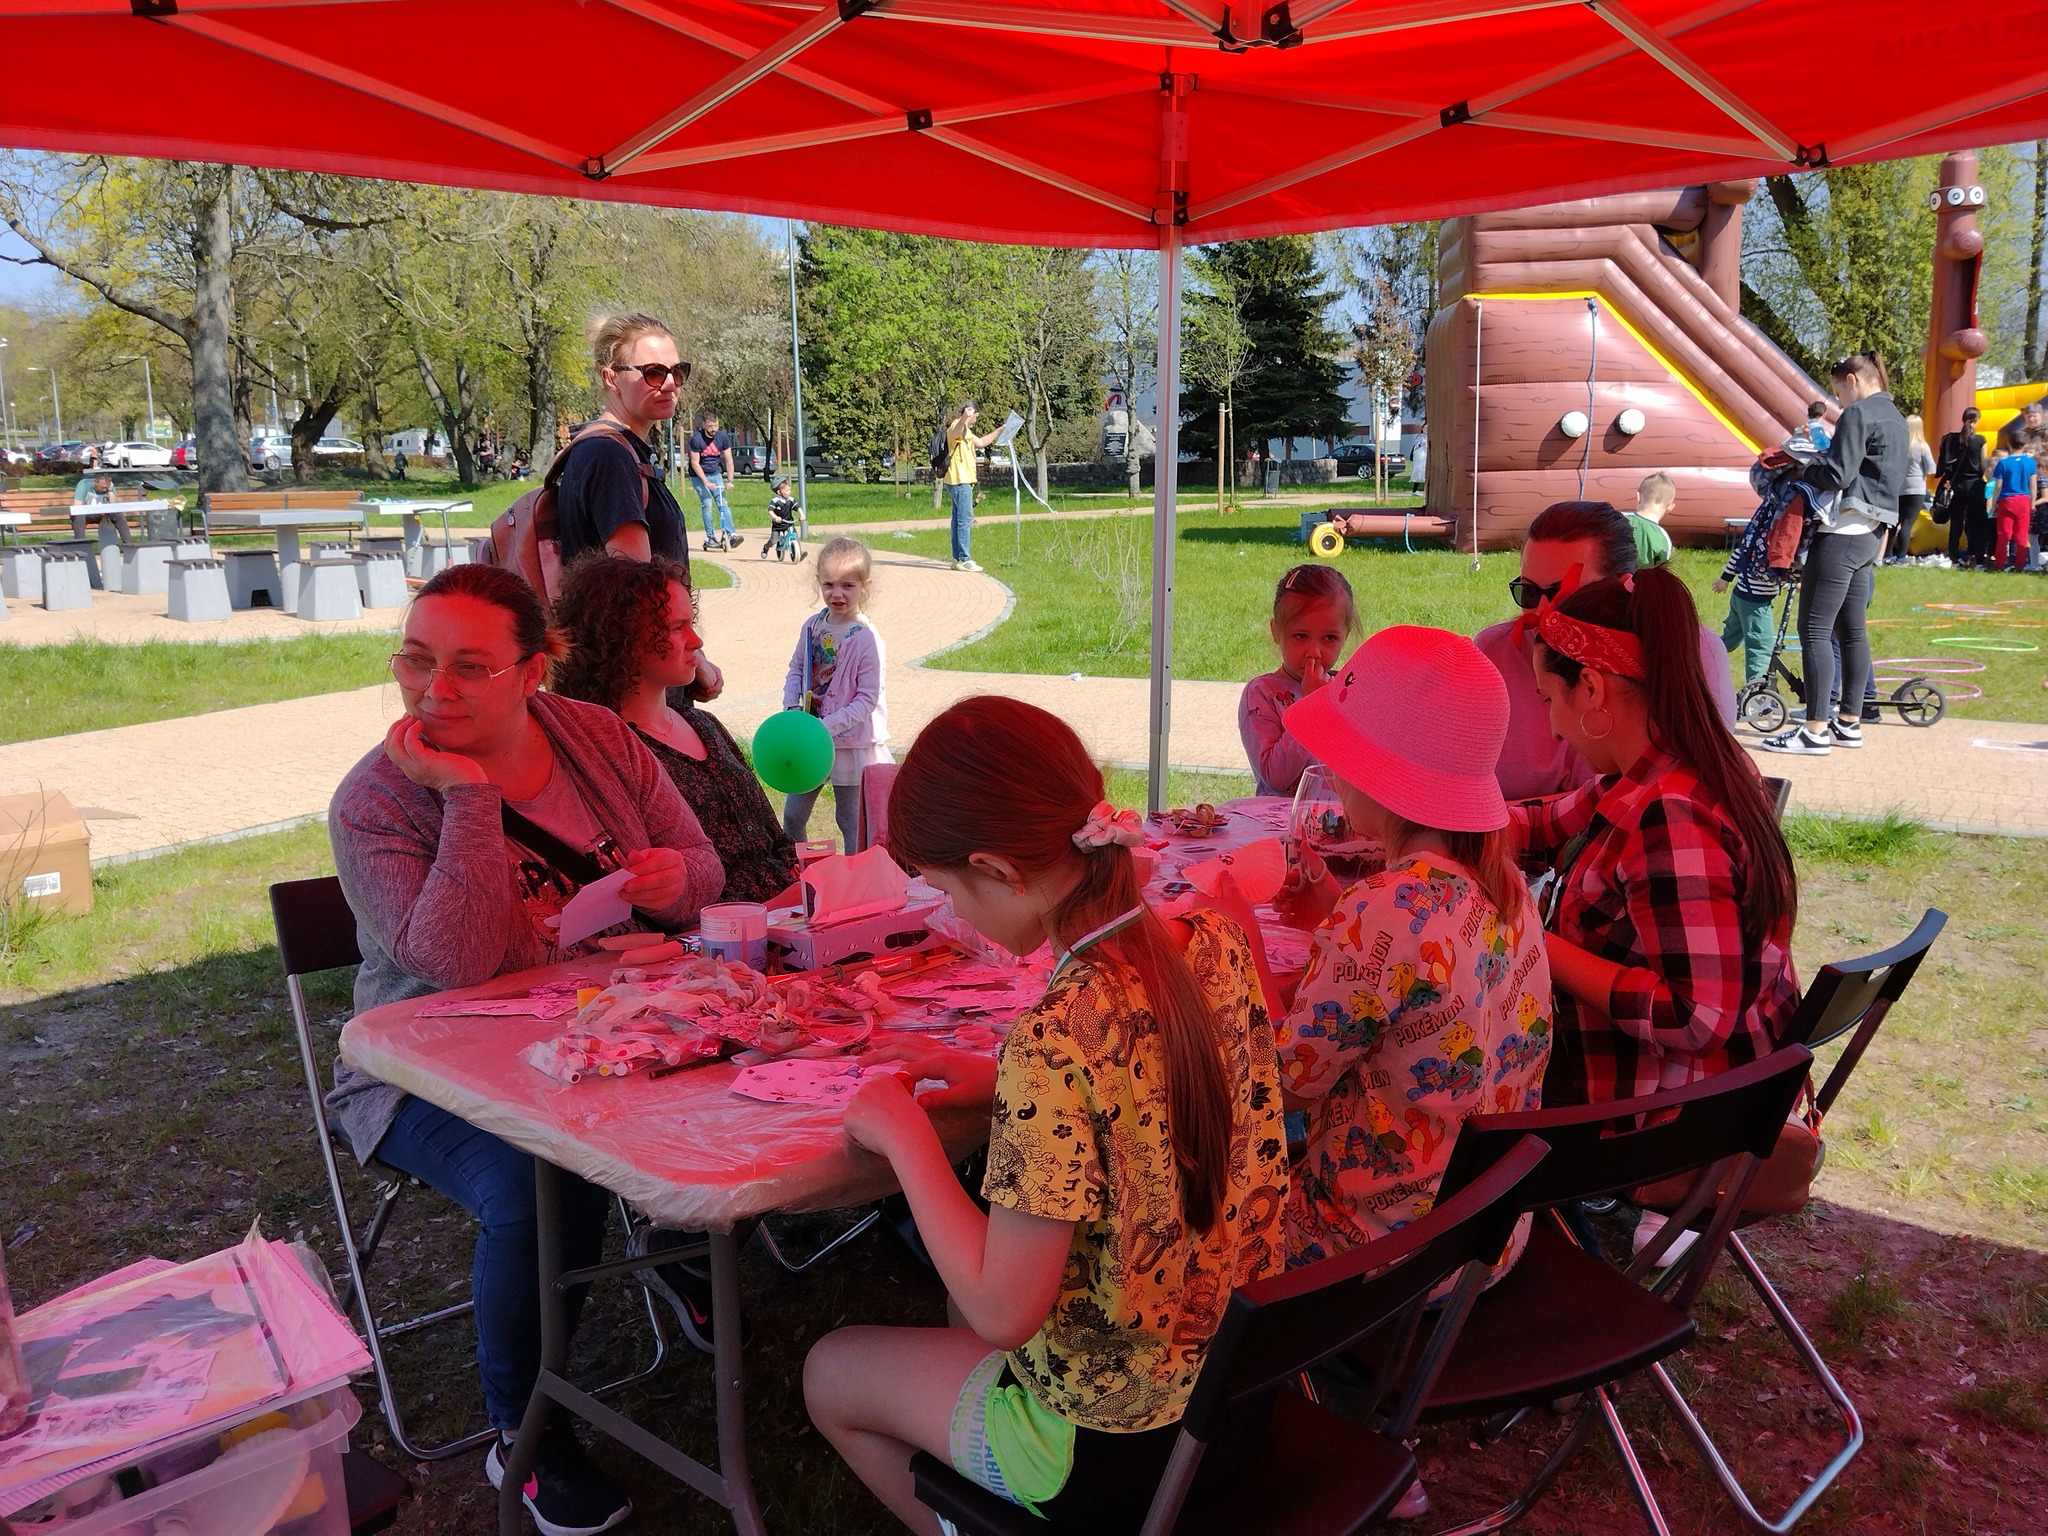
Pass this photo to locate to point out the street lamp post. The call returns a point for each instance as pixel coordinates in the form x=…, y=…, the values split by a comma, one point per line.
x=149, y=392
x=6, y=418
x=56, y=401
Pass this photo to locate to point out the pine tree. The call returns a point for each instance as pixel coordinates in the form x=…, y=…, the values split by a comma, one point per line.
x=1292, y=385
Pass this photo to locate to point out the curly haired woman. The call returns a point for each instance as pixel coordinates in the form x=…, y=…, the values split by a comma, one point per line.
x=634, y=648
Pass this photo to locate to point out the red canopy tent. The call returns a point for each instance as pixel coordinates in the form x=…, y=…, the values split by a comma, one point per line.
x=1086, y=122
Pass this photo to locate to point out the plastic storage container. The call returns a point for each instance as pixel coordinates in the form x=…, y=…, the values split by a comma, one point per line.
x=279, y=1473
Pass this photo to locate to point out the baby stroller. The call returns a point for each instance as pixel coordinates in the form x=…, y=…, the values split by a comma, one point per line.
x=1762, y=707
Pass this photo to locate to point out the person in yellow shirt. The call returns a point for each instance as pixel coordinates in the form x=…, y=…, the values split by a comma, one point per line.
x=961, y=473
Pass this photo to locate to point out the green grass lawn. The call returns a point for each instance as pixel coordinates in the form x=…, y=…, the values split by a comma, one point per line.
x=1084, y=603
x=153, y=1103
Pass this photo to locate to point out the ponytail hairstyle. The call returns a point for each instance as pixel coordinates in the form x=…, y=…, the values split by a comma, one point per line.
x=1656, y=607
x=995, y=775
x=1867, y=366
x=1314, y=583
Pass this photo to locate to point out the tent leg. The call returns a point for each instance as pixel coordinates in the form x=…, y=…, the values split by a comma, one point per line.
x=1165, y=478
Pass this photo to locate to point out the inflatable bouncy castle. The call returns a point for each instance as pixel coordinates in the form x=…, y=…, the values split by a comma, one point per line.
x=1579, y=346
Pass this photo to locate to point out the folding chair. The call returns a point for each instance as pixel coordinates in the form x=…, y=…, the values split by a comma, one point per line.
x=1311, y=1471
x=316, y=931
x=1563, y=1322
x=1850, y=995
x=1780, y=791
x=873, y=825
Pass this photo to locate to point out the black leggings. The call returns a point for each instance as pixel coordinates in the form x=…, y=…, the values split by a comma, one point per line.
x=1832, y=597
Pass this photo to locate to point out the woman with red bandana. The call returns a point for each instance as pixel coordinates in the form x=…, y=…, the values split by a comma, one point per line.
x=1671, y=922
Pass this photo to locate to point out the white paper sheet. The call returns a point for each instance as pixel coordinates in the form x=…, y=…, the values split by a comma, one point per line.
x=593, y=909
x=502, y=1008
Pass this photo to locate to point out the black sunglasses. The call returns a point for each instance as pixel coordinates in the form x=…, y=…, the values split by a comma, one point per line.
x=1528, y=595
x=658, y=374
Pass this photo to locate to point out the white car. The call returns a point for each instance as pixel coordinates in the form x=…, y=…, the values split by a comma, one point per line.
x=269, y=450
x=139, y=456
x=337, y=446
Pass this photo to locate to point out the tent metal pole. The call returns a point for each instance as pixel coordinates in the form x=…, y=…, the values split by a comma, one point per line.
x=796, y=378
x=1165, y=475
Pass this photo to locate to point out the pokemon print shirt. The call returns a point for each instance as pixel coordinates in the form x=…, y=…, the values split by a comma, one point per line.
x=1421, y=1006
x=1080, y=1133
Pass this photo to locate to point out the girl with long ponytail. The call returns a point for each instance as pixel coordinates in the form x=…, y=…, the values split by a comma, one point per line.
x=1671, y=935
x=1136, y=1165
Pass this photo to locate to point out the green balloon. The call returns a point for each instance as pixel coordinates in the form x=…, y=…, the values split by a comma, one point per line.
x=793, y=752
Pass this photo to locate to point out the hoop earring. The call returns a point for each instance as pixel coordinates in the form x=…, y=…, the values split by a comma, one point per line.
x=1607, y=726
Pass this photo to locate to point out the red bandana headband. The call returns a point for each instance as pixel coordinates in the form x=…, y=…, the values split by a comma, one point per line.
x=1614, y=651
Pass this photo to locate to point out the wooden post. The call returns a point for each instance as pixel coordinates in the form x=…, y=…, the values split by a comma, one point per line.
x=1221, y=458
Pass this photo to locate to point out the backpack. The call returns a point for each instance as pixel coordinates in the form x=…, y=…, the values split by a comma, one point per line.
x=524, y=538
x=942, y=452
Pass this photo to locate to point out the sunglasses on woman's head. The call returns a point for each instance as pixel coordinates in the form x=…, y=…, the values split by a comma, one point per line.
x=1528, y=595
x=658, y=374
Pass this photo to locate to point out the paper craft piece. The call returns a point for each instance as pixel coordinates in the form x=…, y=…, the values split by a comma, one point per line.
x=593, y=909
x=854, y=885
x=501, y=1008
x=1260, y=869
x=805, y=1082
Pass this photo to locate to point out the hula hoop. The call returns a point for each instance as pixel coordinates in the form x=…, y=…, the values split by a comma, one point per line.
x=1945, y=670
x=1964, y=642
x=1968, y=610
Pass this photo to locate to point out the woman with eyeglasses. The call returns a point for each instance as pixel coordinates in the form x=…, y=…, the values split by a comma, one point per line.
x=458, y=842
x=612, y=494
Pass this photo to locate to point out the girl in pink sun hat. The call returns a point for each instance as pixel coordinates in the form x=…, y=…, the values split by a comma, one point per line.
x=1427, y=994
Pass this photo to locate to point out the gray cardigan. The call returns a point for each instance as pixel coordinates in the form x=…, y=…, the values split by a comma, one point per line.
x=429, y=880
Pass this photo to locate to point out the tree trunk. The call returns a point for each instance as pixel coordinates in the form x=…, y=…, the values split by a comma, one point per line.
x=540, y=394
x=223, y=460
x=2036, y=357
x=453, y=415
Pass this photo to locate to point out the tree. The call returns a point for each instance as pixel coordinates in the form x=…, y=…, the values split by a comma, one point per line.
x=1055, y=360
x=1841, y=260
x=1385, y=352
x=1216, y=352
x=1293, y=387
x=1127, y=319
x=1404, y=257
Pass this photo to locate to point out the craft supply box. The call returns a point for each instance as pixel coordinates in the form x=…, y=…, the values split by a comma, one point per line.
x=801, y=947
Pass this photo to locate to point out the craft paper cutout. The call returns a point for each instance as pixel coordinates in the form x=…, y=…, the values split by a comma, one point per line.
x=1260, y=868
x=545, y=1007
x=593, y=909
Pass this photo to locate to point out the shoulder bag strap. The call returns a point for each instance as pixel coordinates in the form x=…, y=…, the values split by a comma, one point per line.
x=573, y=862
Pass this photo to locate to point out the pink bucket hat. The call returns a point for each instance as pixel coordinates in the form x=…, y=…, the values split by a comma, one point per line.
x=1416, y=720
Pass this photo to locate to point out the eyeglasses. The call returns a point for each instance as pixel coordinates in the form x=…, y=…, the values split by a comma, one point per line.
x=658, y=374
x=468, y=676
x=1528, y=595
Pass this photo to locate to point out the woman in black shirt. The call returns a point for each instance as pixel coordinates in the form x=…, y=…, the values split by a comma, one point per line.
x=1959, y=468
x=634, y=648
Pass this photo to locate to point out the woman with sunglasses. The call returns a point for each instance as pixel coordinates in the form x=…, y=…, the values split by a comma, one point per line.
x=458, y=840
x=612, y=494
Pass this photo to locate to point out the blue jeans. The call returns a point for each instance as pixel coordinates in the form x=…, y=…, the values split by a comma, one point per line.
x=494, y=1183
x=963, y=520
x=711, y=493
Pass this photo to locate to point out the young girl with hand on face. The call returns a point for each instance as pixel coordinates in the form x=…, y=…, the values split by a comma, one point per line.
x=837, y=672
x=1136, y=1165
x=1313, y=615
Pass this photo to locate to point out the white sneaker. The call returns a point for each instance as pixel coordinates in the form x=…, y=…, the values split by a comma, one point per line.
x=1798, y=742
x=965, y=565
x=1647, y=1230
x=1414, y=1503
x=1845, y=734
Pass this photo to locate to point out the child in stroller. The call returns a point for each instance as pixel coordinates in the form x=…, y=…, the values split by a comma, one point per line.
x=783, y=517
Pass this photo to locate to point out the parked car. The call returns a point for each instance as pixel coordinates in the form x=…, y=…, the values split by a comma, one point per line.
x=17, y=456
x=750, y=459
x=185, y=453
x=334, y=447
x=269, y=450
x=1357, y=459
x=139, y=455
x=52, y=456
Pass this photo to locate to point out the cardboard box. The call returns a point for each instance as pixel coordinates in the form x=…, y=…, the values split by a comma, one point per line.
x=45, y=852
x=801, y=947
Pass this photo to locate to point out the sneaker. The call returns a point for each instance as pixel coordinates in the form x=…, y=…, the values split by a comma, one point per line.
x=965, y=565
x=685, y=1284
x=1847, y=733
x=735, y=540
x=565, y=1492
x=1872, y=714
x=1414, y=1503
x=1796, y=740
x=1647, y=1231
x=712, y=546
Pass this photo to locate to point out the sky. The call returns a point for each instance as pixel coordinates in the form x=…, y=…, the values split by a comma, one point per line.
x=23, y=286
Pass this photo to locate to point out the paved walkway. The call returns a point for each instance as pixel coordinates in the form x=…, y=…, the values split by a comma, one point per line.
x=145, y=788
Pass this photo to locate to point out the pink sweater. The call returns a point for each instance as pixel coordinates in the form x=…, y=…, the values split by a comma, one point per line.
x=1277, y=759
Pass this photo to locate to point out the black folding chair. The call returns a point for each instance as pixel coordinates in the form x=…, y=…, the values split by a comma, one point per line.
x=1780, y=791
x=1849, y=997
x=1312, y=1472
x=1564, y=1322
x=316, y=931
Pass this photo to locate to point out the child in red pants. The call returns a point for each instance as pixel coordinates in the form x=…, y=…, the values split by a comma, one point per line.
x=2014, y=479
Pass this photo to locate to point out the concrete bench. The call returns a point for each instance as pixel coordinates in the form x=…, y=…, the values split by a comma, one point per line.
x=65, y=582
x=21, y=572
x=327, y=591
x=250, y=571
x=199, y=590
x=380, y=577
x=146, y=568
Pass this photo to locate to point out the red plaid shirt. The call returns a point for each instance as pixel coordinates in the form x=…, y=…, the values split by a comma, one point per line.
x=1656, y=891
